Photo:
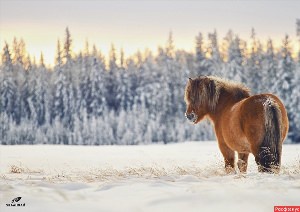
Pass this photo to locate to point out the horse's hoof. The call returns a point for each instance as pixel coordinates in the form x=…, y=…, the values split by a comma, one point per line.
x=230, y=170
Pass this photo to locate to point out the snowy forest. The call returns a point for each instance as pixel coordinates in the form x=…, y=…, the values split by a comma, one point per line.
x=90, y=99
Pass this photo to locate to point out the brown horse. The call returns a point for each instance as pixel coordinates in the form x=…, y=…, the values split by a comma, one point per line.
x=255, y=124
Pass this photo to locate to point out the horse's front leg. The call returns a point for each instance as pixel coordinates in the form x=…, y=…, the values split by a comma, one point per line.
x=243, y=162
x=228, y=155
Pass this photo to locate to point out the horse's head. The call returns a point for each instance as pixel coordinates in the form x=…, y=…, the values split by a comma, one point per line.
x=199, y=98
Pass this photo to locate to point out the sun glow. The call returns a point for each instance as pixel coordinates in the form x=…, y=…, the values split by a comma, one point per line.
x=37, y=43
x=137, y=25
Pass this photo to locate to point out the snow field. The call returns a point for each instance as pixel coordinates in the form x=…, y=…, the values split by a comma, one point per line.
x=175, y=177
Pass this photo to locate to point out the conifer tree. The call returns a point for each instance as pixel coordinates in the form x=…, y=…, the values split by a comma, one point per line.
x=112, y=59
x=67, y=46
x=235, y=67
x=58, y=59
x=7, y=65
x=214, y=54
x=285, y=79
x=42, y=63
x=200, y=59
x=122, y=59
x=170, y=48
x=298, y=35
x=270, y=68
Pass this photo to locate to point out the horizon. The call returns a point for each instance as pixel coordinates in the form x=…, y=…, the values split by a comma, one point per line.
x=136, y=26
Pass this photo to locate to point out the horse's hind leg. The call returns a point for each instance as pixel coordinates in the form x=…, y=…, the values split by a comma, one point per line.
x=243, y=162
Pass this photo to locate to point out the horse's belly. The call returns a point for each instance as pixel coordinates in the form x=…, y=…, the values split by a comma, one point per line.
x=238, y=143
x=241, y=146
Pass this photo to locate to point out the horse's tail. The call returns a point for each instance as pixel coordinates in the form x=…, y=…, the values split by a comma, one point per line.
x=269, y=157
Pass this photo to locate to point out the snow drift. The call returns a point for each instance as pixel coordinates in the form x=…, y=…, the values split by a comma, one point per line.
x=176, y=177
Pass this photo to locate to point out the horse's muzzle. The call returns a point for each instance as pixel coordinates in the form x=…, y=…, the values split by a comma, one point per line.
x=191, y=117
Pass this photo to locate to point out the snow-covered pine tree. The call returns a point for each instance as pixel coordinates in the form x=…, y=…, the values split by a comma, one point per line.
x=27, y=64
x=82, y=87
x=270, y=68
x=285, y=83
x=199, y=49
x=295, y=104
x=42, y=63
x=8, y=86
x=200, y=58
x=296, y=93
x=7, y=65
x=19, y=52
x=253, y=72
x=235, y=64
x=112, y=59
x=122, y=59
x=113, y=95
x=170, y=48
x=98, y=103
x=25, y=96
x=59, y=58
x=59, y=95
x=227, y=40
x=214, y=54
x=298, y=35
x=67, y=46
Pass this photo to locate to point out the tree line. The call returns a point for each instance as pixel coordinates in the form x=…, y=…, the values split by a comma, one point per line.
x=88, y=99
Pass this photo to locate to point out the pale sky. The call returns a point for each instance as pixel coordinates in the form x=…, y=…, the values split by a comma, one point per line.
x=133, y=24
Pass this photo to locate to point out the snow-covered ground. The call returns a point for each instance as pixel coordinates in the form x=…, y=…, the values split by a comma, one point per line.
x=176, y=177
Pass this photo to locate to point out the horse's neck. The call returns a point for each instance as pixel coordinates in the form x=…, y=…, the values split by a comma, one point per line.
x=226, y=102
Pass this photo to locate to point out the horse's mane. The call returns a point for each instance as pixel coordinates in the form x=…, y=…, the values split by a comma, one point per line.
x=208, y=89
x=238, y=90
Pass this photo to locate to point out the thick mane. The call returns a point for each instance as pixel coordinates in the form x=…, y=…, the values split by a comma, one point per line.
x=238, y=90
x=207, y=90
